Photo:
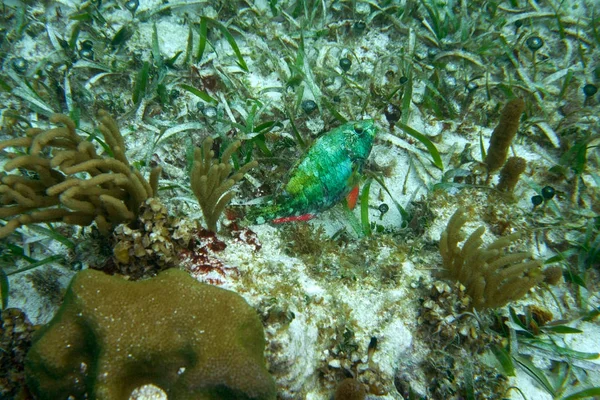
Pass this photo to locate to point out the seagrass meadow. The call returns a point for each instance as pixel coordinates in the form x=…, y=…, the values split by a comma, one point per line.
x=137, y=137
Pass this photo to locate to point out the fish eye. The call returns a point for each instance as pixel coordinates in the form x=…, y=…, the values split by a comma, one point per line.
x=358, y=127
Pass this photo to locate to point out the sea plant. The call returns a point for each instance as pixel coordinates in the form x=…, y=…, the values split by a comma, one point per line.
x=212, y=180
x=205, y=22
x=492, y=276
x=534, y=334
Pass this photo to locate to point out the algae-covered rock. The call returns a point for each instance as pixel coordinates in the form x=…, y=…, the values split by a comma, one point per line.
x=193, y=340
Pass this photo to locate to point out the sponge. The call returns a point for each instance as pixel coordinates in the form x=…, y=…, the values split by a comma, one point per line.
x=503, y=134
x=350, y=389
x=110, y=336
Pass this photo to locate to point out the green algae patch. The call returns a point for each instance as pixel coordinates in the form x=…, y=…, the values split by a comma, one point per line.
x=110, y=336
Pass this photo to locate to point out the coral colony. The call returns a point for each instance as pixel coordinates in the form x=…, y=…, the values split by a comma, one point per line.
x=299, y=200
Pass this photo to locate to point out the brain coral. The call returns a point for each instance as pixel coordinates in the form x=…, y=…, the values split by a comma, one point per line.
x=193, y=340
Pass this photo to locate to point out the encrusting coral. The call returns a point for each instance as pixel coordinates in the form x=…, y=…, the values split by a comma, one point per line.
x=154, y=243
x=211, y=180
x=491, y=276
x=110, y=336
x=64, y=179
x=15, y=339
x=503, y=134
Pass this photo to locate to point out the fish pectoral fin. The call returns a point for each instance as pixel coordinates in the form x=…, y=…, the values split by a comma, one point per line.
x=354, y=177
x=352, y=198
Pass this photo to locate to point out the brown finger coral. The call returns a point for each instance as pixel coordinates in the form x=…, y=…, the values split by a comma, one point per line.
x=62, y=178
x=212, y=180
x=491, y=275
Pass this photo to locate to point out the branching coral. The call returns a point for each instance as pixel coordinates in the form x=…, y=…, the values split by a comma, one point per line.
x=492, y=276
x=211, y=180
x=64, y=179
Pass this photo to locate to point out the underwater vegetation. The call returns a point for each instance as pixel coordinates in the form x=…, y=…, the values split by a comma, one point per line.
x=211, y=180
x=486, y=109
x=492, y=276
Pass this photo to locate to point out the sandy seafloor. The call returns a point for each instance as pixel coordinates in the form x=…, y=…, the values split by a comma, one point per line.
x=464, y=61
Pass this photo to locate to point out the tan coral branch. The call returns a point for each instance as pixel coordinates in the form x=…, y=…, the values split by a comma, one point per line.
x=491, y=276
x=212, y=180
x=69, y=182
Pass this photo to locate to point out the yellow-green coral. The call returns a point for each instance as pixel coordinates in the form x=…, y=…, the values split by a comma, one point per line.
x=110, y=336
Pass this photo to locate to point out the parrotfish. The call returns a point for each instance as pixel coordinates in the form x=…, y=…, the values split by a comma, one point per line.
x=328, y=172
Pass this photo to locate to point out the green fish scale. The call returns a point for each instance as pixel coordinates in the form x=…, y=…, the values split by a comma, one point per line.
x=320, y=180
x=326, y=174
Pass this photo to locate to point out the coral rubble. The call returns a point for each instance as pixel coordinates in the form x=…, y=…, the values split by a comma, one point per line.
x=16, y=333
x=154, y=243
